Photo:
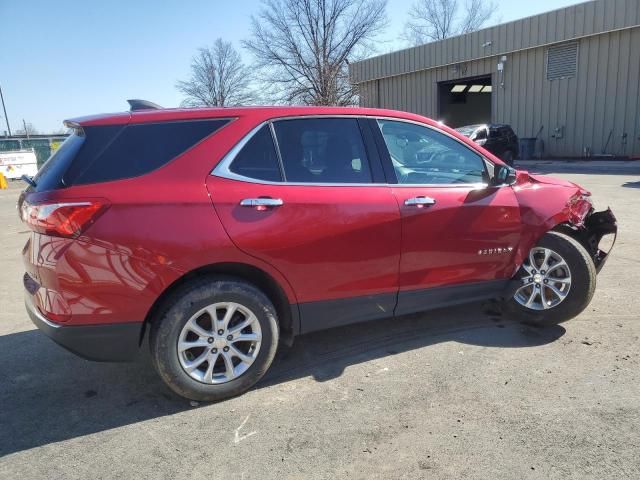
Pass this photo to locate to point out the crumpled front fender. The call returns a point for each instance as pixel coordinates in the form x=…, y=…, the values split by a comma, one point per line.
x=548, y=204
x=596, y=226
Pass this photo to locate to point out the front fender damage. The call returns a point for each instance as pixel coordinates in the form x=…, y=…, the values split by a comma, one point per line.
x=590, y=233
x=596, y=226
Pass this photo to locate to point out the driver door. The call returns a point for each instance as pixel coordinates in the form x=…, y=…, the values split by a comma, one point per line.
x=459, y=235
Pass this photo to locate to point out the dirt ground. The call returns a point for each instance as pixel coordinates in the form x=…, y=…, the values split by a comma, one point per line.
x=460, y=393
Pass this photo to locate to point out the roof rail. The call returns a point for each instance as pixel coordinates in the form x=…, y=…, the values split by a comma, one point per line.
x=137, y=104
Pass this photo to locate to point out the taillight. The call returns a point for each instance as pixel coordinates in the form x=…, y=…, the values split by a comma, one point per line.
x=68, y=219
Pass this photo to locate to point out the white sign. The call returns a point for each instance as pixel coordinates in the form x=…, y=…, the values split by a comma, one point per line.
x=17, y=163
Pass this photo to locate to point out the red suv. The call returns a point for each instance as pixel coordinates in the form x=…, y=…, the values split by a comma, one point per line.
x=216, y=233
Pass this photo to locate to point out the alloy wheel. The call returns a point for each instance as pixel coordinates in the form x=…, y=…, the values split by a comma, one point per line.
x=546, y=281
x=219, y=343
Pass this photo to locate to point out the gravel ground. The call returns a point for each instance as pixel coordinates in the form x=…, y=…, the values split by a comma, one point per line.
x=460, y=393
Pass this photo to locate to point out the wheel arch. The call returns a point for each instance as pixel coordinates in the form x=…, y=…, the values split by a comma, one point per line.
x=572, y=231
x=288, y=316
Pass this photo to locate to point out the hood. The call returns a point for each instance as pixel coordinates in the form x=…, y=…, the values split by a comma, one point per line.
x=549, y=180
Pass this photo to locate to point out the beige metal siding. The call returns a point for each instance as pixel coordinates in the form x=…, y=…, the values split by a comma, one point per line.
x=590, y=18
x=603, y=96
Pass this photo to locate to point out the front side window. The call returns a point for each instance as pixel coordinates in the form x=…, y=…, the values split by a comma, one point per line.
x=422, y=155
x=322, y=150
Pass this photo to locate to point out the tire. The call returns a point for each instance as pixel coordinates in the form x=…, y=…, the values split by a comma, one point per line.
x=184, y=313
x=508, y=157
x=582, y=283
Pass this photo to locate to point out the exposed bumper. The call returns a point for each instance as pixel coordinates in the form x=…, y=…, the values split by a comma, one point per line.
x=597, y=225
x=103, y=343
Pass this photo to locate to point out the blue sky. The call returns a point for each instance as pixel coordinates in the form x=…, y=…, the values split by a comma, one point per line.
x=60, y=59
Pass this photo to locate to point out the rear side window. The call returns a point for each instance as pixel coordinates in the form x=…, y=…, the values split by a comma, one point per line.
x=116, y=152
x=323, y=150
x=258, y=158
x=49, y=177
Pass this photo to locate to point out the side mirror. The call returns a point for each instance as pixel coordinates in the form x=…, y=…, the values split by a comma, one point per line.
x=503, y=175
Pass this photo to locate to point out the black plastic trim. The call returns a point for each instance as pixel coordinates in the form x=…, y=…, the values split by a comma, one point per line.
x=326, y=314
x=375, y=162
x=117, y=342
x=383, y=151
x=413, y=301
x=597, y=225
x=137, y=104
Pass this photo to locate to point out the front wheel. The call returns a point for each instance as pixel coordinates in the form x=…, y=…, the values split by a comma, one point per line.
x=215, y=339
x=555, y=283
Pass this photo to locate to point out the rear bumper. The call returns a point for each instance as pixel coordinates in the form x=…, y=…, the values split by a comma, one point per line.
x=103, y=343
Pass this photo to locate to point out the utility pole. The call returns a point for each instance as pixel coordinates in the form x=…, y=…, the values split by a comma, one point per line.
x=5, y=111
x=26, y=132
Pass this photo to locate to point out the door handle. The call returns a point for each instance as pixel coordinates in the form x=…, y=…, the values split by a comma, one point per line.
x=419, y=202
x=261, y=203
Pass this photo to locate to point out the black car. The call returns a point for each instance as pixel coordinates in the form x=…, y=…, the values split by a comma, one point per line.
x=499, y=139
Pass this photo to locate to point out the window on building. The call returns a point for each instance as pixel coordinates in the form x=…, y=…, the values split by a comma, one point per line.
x=562, y=61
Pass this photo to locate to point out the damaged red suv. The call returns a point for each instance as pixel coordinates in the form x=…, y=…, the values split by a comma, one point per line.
x=216, y=233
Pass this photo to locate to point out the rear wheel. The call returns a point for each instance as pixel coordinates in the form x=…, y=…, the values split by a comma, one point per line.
x=215, y=339
x=556, y=281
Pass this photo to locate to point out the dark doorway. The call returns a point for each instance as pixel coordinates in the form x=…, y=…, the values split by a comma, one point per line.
x=466, y=101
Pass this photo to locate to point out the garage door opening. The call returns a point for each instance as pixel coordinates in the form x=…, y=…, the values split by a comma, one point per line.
x=465, y=101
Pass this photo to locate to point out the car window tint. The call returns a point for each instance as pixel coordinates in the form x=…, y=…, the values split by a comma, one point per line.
x=422, y=155
x=322, y=150
x=117, y=152
x=258, y=159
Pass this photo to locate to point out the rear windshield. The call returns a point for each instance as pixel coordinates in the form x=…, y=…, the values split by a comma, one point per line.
x=113, y=152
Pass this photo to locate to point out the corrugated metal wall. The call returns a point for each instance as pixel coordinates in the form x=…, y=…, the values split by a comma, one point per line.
x=602, y=100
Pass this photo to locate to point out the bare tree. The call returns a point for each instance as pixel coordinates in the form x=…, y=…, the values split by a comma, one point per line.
x=218, y=78
x=303, y=47
x=432, y=20
x=27, y=129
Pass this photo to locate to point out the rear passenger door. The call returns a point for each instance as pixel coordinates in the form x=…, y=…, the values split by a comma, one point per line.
x=307, y=195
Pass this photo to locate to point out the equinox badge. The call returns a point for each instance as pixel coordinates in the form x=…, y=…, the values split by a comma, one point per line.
x=493, y=251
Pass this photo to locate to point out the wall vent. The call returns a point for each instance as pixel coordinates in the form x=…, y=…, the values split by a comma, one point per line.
x=562, y=61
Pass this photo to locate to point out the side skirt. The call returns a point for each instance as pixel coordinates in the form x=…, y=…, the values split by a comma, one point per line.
x=327, y=314
x=421, y=300
x=335, y=313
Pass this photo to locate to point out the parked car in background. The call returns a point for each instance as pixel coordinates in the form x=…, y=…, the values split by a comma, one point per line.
x=216, y=233
x=498, y=138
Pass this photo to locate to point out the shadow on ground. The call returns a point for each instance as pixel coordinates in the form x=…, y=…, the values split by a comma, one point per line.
x=631, y=184
x=49, y=395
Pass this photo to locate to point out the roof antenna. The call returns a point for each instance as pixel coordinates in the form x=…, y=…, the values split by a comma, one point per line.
x=137, y=104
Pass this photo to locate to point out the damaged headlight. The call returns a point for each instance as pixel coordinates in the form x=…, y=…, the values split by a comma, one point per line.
x=588, y=198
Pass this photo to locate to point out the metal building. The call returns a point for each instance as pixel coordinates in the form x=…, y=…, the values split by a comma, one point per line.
x=571, y=77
